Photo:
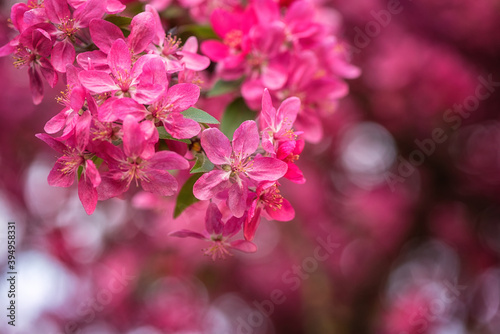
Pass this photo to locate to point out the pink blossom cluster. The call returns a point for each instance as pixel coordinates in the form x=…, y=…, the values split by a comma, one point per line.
x=129, y=86
x=292, y=52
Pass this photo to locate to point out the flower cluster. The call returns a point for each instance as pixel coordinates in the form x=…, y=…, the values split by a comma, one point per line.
x=130, y=85
x=292, y=52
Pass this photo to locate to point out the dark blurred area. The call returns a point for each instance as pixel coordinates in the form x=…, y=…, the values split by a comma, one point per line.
x=397, y=229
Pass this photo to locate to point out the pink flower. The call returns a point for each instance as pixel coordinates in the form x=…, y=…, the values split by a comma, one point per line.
x=35, y=46
x=69, y=24
x=289, y=152
x=78, y=103
x=236, y=166
x=126, y=80
x=138, y=162
x=169, y=106
x=142, y=31
x=219, y=233
x=175, y=56
x=276, y=125
x=64, y=171
x=267, y=198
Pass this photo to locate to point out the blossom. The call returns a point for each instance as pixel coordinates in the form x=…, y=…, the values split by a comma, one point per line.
x=138, y=162
x=64, y=171
x=68, y=25
x=218, y=234
x=126, y=79
x=236, y=166
x=33, y=50
x=269, y=199
x=276, y=125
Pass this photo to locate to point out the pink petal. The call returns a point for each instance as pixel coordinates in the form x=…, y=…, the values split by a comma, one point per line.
x=53, y=143
x=93, y=60
x=48, y=72
x=180, y=127
x=246, y=139
x=267, y=11
x=120, y=59
x=244, y=246
x=274, y=76
x=104, y=33
x=159, y=182
x=251, y=90
x=87, y=194
x=294, y=174
x=209, y=184
x=159, y=32
x=36, y=85
x=63, y=54
x=288, y=111
x=57, y=10
x=110, y=187
x=237, y=200
x=133, y=138
x=97, y=81
x=187, y=234
x=17, y=13
x=215, y=50
x=223, y=21
x=92, y=174
x=284, y=213
x=114, y=7
x=252, y=221
x=56, y=123
x=148, y=93
x=233, y=226
x=126, y=106
x=182, y=96
x=216, y=146
x=167, y=160
x=267, y=169
x=93, y=9
x=142, y=32
x=153, y=72
x=60, y=176
x=213, y=220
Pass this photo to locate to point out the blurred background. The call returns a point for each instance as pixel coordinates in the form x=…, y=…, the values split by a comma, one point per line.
x=397, y=229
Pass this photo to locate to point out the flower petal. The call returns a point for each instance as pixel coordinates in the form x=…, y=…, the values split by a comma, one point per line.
x=187, y=234
x=246, y=139
x=213, y=220
x=97, y=81
x=237, y=200
x=133, y=138
x=209, y=184
x=104, y=33
x=267, y=169
x=244, y=246
x=216, y=146
x=142, y=32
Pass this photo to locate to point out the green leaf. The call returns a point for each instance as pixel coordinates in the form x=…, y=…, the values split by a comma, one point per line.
x=165, y=135
x=186, y=197
x=236, y=113
x=201, y=31
x=200, y=116
x=202, y=164
x=79, y=172
x=222, y=87
x=119, y=21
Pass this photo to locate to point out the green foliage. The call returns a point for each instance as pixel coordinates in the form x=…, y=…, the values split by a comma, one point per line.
x=186, y=197
x=236, y=113
x=200, y=116
x=165, y=135
x=222, y=87
x=202, y=164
